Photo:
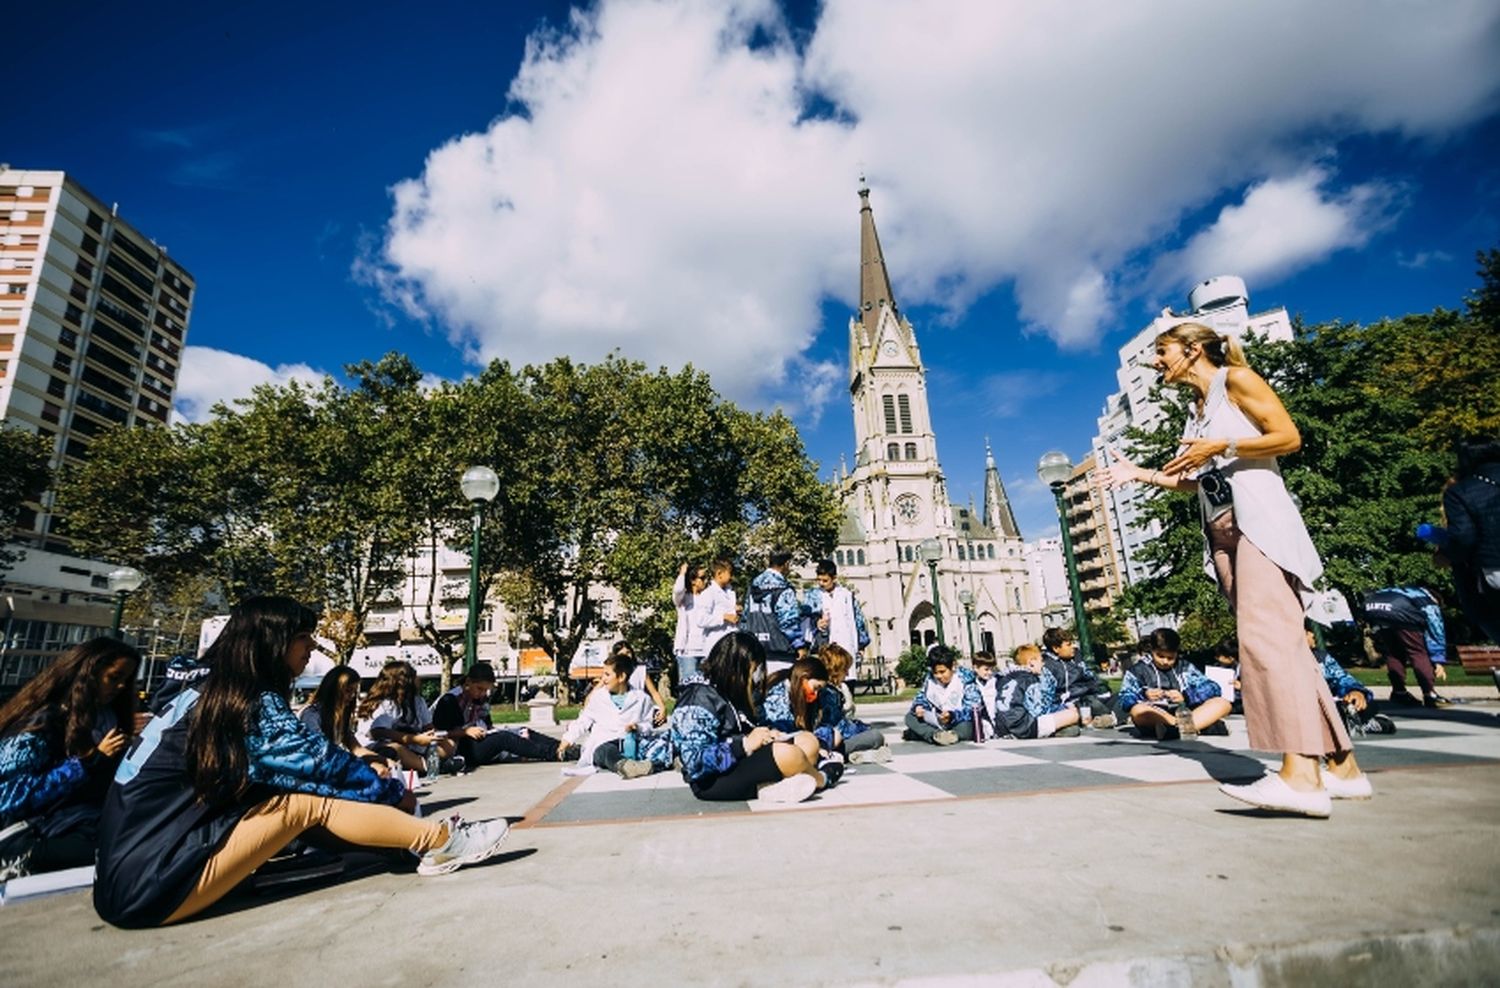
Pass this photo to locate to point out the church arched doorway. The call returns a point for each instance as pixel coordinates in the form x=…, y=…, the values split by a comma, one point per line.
x=921, y=625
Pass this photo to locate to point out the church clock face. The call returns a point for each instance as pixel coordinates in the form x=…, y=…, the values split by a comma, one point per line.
x=889, y=349
x=908, y=507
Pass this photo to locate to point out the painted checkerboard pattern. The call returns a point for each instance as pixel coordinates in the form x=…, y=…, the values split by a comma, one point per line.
x=1097, y=759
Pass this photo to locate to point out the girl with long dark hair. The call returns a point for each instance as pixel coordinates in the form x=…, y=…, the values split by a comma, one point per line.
x=61, y=737
x=226, y=776
x=723, y=756
x=394, y=719
x=332, y=713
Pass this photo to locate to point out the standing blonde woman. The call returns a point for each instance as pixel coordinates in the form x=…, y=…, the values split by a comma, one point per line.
x=1258, y=549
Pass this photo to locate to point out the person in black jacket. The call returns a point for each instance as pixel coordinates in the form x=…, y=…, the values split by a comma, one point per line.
x=1471, y=505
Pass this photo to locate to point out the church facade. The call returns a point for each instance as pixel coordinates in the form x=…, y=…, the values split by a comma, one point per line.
x=896, y=500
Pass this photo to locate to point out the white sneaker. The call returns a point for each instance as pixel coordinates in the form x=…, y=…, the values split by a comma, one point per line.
x=1358, y=787
x=468, y=843
x=945, y=738
x=1270, y=792
x=793, y=790
x=870, y=756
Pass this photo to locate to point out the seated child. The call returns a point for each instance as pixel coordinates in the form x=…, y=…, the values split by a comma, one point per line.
x=1227, y=661
x=1167, y=698
x=331, y=713
x=1026, y=703
x=61, y=737
x=1361, y=713
x=614, y=728
x=641, y=679
x=395, y=721
x=723, y=758
x=985, y=667
x=945, y=707
x=1077, y=684
x=793, y=702
x=462, y=715
x=862, y=743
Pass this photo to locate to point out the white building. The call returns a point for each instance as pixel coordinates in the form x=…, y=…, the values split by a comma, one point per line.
x=1222, y=303
x=897, y=497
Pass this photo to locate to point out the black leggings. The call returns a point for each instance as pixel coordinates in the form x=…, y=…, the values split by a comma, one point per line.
x=743, y=781
x=490, y=748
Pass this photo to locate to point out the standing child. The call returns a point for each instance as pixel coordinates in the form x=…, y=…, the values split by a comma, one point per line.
x=614, y=728
x=944, y=709
x=1170, y=698
x=687, y=642
x=716, y=612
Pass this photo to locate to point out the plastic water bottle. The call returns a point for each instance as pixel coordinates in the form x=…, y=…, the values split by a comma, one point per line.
x=630, y=745
x=433, y=761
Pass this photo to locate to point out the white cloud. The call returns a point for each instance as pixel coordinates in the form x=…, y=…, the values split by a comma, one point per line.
x=1422, y=259
x=657, y=186
x=209, y=376
x=1282, y=225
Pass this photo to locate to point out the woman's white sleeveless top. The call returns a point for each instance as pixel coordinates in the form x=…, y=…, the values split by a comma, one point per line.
x=1263, y=508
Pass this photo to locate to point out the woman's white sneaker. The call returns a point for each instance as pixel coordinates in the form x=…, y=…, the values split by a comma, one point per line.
x=793, y=790
x=468, y=843
x=1358, y=787
x=1271, y=792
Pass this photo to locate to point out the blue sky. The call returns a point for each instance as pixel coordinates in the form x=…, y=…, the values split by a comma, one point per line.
x=678, y=181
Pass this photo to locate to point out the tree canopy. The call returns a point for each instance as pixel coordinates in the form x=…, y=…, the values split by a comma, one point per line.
x=24, y=474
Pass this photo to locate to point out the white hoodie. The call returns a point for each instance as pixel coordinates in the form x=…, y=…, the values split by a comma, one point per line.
x=600, y=721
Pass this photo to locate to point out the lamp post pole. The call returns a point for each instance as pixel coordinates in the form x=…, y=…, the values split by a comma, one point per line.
x=1054, y=470
x=966, y=597
x=124, y=581
x=932, y=551
x=480, y=485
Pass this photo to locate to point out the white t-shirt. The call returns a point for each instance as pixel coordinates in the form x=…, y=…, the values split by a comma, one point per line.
x=389, y=716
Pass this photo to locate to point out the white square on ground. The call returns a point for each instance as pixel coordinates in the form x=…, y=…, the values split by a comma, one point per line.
x=610, y=782
x=863, y=789
x=1474, y=745
x=954, y=759
x=1150, y=768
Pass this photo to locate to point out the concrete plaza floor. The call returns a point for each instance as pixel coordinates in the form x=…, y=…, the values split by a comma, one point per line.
x=1166, y=883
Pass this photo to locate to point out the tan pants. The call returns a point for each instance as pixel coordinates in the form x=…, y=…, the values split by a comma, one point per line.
x=1287, y=704
x=272, y=825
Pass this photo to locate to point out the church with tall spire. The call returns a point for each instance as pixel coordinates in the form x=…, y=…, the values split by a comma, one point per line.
x=896, y=498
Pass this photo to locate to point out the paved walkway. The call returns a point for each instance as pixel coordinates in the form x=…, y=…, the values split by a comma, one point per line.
x=1146, y=883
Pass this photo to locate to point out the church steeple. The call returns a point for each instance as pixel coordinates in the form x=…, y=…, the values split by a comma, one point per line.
x=997, y=512
x=874, y=280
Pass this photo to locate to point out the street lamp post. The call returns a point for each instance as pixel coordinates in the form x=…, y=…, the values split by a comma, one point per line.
x=480, y=485
x=123, y=581
x=1054, y=469
x=966, y=598
x=932, y=551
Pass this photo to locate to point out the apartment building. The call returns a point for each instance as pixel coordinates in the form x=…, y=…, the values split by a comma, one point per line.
x=1089, y=525
x=93, y=316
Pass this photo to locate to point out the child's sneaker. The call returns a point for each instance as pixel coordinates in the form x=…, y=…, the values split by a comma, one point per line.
x=1380, y=724
x=1185, y=727
x=793, y=790
x=1103, y=722
x=832, y=772
x=945, y=738
x=870, y=756
x=468, y=843
x=452, y=766
x=634, y=768
x=1217, y=729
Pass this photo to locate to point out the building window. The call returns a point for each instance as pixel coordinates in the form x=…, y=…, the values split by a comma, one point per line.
x=893, y=451
x=889, y=404
x=861, y=556
x=18, y=215
x=17, y=289
x=838, y=556
x=911, y=451
x=991, y=550
x=905, y=404
x=1017, y=592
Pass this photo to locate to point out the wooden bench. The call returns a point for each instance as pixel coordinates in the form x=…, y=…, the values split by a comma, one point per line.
x=1478, y=659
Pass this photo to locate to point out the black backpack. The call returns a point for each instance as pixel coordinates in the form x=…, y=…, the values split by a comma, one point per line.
x=760, y=620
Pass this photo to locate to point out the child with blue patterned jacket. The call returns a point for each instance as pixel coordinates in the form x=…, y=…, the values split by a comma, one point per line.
x=724, y=757
x=61, y=737
x=1169, y=698
x=795, y=701
x=861, y=742
x=226, y=776
x=1361, y=713
x=1027, y=705
x=947, y=702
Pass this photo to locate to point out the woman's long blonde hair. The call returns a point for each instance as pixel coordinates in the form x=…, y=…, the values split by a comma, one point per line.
x=1220, y=348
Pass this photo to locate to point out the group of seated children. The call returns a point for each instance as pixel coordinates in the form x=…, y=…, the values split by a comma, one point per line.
x=1168, y=697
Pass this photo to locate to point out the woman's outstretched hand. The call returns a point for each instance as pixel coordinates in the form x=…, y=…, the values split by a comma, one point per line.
x=1121, y=471
x=1195, y=453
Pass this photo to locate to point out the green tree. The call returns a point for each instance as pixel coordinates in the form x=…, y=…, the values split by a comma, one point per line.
x=24, y=474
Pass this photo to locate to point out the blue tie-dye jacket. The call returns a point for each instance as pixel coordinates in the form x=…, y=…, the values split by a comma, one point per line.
x=705, y=731
x=286, y=754
x=35, y=774
x=1340, y=683
x=788, y=610
x=776, y=713
x=1184, y=677
x=972, y=700
x=812, y=607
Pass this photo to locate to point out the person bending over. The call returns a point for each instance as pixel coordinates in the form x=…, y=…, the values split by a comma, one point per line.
x=1168, y=698
x=61, y=737
x=944, y=709
x=227, y=776
x=614, y=730
x=724, y=758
